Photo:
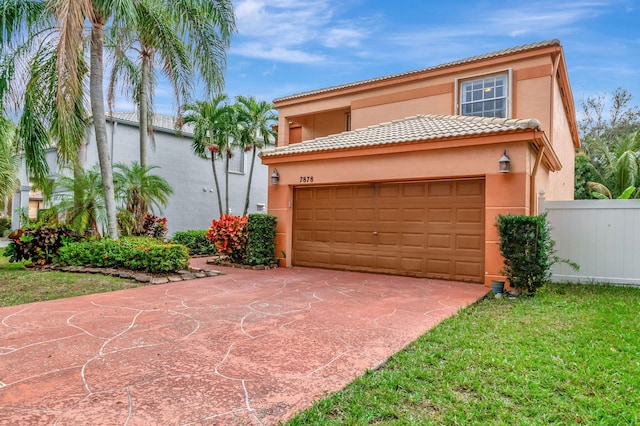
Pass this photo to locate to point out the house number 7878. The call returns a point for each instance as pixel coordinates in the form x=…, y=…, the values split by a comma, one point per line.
x=306, y=179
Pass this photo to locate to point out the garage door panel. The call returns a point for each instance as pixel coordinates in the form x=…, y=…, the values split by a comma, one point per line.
x=439, y=241
x=470, y=188
x=444, y=215
x=388, y=215
x=429, y=229
x=413, y=265
x=412, y=240
x=441, y=189
x=469, y=242
x=323, y=215
x=416, y=215
x=469, y=215
x=468, y=271
x=439, y=267
x=364, y=237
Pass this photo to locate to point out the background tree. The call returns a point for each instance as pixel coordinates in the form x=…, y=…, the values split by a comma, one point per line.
x=8, y=162
x=171, y=36
x=85, y=215
x=607, y=164
x=140, y=191
x=208, y=120
x=256, y=119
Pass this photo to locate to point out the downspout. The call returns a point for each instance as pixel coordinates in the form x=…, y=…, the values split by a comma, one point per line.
x=533, y=211
x=533, y=196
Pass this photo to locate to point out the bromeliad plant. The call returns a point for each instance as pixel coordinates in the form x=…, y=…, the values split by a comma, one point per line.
x=229, y=235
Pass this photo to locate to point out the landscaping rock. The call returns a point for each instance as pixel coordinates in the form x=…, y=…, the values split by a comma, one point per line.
x=142, y=278
x=174, y=278
x=125, y=274
x=199, y=274
x=187, y=275
x=160, y=280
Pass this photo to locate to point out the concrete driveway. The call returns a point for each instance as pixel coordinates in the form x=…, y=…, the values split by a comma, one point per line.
x=246, y=348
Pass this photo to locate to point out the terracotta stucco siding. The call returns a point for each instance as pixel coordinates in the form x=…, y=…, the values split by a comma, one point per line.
x=368, y=116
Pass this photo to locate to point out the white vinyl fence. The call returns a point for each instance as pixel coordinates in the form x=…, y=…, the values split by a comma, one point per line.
x=602, y=236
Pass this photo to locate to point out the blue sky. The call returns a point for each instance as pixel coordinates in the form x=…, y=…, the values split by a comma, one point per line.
x=289, y=46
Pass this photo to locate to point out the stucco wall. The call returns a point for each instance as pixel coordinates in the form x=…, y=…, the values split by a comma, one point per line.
x=193, y=204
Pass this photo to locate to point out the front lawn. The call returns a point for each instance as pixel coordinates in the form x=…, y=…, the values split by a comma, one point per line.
x=19, y=285
x=569, y=355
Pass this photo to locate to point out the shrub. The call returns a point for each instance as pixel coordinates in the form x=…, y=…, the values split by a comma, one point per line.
x=528, y=250
x=5, y=225
x=196, y=241
x=40, y=244
x=261, y=230
x=152, y=226
x=229, y=235
x=135, y=253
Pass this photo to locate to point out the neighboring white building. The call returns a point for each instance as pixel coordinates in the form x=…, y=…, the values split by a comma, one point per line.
x=193, y=204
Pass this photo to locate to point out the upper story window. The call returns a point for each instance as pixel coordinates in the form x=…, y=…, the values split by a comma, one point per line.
x=485, y=96
x=236, y=162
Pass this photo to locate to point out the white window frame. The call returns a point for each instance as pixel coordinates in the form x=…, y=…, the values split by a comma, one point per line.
x=509, y=87
x=243, y=160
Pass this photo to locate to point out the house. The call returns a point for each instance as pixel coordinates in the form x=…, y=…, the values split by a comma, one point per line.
x=401, y=174
x=193, y=204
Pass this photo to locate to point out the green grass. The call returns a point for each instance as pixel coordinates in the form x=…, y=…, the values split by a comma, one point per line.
x=569, y=355
x=19, y=285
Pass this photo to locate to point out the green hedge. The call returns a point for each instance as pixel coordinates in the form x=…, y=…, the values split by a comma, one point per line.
x=261, y=230
x=528, y=250
x=135, y=253
x=196, y=241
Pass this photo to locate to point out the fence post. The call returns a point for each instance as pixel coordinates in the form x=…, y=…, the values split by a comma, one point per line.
x=541, y=206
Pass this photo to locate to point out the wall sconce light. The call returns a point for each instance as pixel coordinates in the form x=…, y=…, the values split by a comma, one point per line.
x=504, y=163
x=275, y=177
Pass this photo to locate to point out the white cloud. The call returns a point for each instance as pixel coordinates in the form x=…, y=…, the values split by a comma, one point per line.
x=275, y=53
x=290, y=30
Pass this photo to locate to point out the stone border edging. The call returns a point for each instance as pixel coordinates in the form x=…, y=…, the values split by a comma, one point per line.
x=141, y=277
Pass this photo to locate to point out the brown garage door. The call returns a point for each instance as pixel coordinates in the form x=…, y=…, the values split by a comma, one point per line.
x=426, y=229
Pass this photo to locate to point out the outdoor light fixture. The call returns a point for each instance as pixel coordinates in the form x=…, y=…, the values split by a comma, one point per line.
x=504, y=163
x=275, y=177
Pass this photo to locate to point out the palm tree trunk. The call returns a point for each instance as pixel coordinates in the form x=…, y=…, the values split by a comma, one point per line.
x=143, y=119
x=100, y=125
x=246, y=201
x=215, y=178
x=78, y=187
x=226, y=189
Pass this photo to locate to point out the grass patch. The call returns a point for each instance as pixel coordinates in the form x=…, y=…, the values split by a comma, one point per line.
x=569, y=355
x=19, y=285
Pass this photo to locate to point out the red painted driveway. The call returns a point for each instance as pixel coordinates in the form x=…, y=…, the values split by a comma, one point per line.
x=247, y=348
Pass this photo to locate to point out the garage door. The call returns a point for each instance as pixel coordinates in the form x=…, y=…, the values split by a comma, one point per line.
x=426, y=229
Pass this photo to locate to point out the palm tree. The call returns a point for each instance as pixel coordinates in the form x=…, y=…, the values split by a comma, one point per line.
x=86, y=214
x=8, y=162
x=140, y=191
x=257, y=119
x=59, y=26
x=617, y=167
x=172, y=35
x=209, y=119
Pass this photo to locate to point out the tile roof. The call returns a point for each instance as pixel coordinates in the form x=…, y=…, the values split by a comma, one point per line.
x=161, y=122
x=498, y=53
x=418, y=128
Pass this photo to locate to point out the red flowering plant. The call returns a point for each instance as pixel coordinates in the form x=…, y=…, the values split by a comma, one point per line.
x=229, y=235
